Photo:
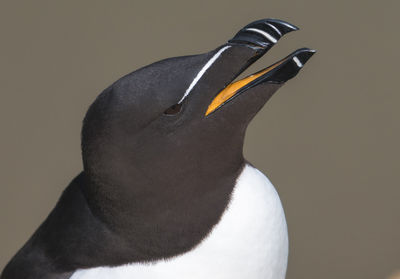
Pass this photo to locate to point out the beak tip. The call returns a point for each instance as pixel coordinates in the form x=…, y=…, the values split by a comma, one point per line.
x=263, y=33
x=284, y=26
x=303, y=55
x=291, y=65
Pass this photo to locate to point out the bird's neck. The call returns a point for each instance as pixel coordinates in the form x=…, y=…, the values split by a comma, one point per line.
x=121, y=191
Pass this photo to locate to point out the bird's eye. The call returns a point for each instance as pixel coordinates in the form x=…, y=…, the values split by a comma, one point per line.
x=175, y=109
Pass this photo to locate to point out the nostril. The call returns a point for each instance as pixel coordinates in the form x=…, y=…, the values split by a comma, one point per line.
x=175, y=109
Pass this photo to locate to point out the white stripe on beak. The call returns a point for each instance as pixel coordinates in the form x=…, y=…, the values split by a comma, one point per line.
x=265, y=34
x=297, y=61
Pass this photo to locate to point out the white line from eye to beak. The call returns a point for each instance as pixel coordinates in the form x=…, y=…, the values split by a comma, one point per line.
x=297, y=61
x=265, y=34
x=202, y=71
x=276, y=29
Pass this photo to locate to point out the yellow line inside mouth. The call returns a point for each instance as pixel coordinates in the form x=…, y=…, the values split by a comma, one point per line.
x=230, y=90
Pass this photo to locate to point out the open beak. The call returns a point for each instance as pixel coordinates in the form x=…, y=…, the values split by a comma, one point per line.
x=263, y=34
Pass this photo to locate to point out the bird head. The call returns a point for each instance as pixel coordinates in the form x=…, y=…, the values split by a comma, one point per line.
x=185, y=114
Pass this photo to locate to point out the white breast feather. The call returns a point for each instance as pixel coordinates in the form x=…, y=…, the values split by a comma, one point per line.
x=250, y=241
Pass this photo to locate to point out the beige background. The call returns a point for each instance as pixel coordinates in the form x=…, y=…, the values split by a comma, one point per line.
x=328, y=140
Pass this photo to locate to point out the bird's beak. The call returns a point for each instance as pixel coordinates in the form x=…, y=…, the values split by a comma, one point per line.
x=278, y=72
x=248, y=45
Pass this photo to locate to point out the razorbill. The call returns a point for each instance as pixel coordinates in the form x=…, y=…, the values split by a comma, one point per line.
x=165, y=191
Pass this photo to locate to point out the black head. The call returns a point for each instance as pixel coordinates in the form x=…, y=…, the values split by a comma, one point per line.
x=168, y=127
